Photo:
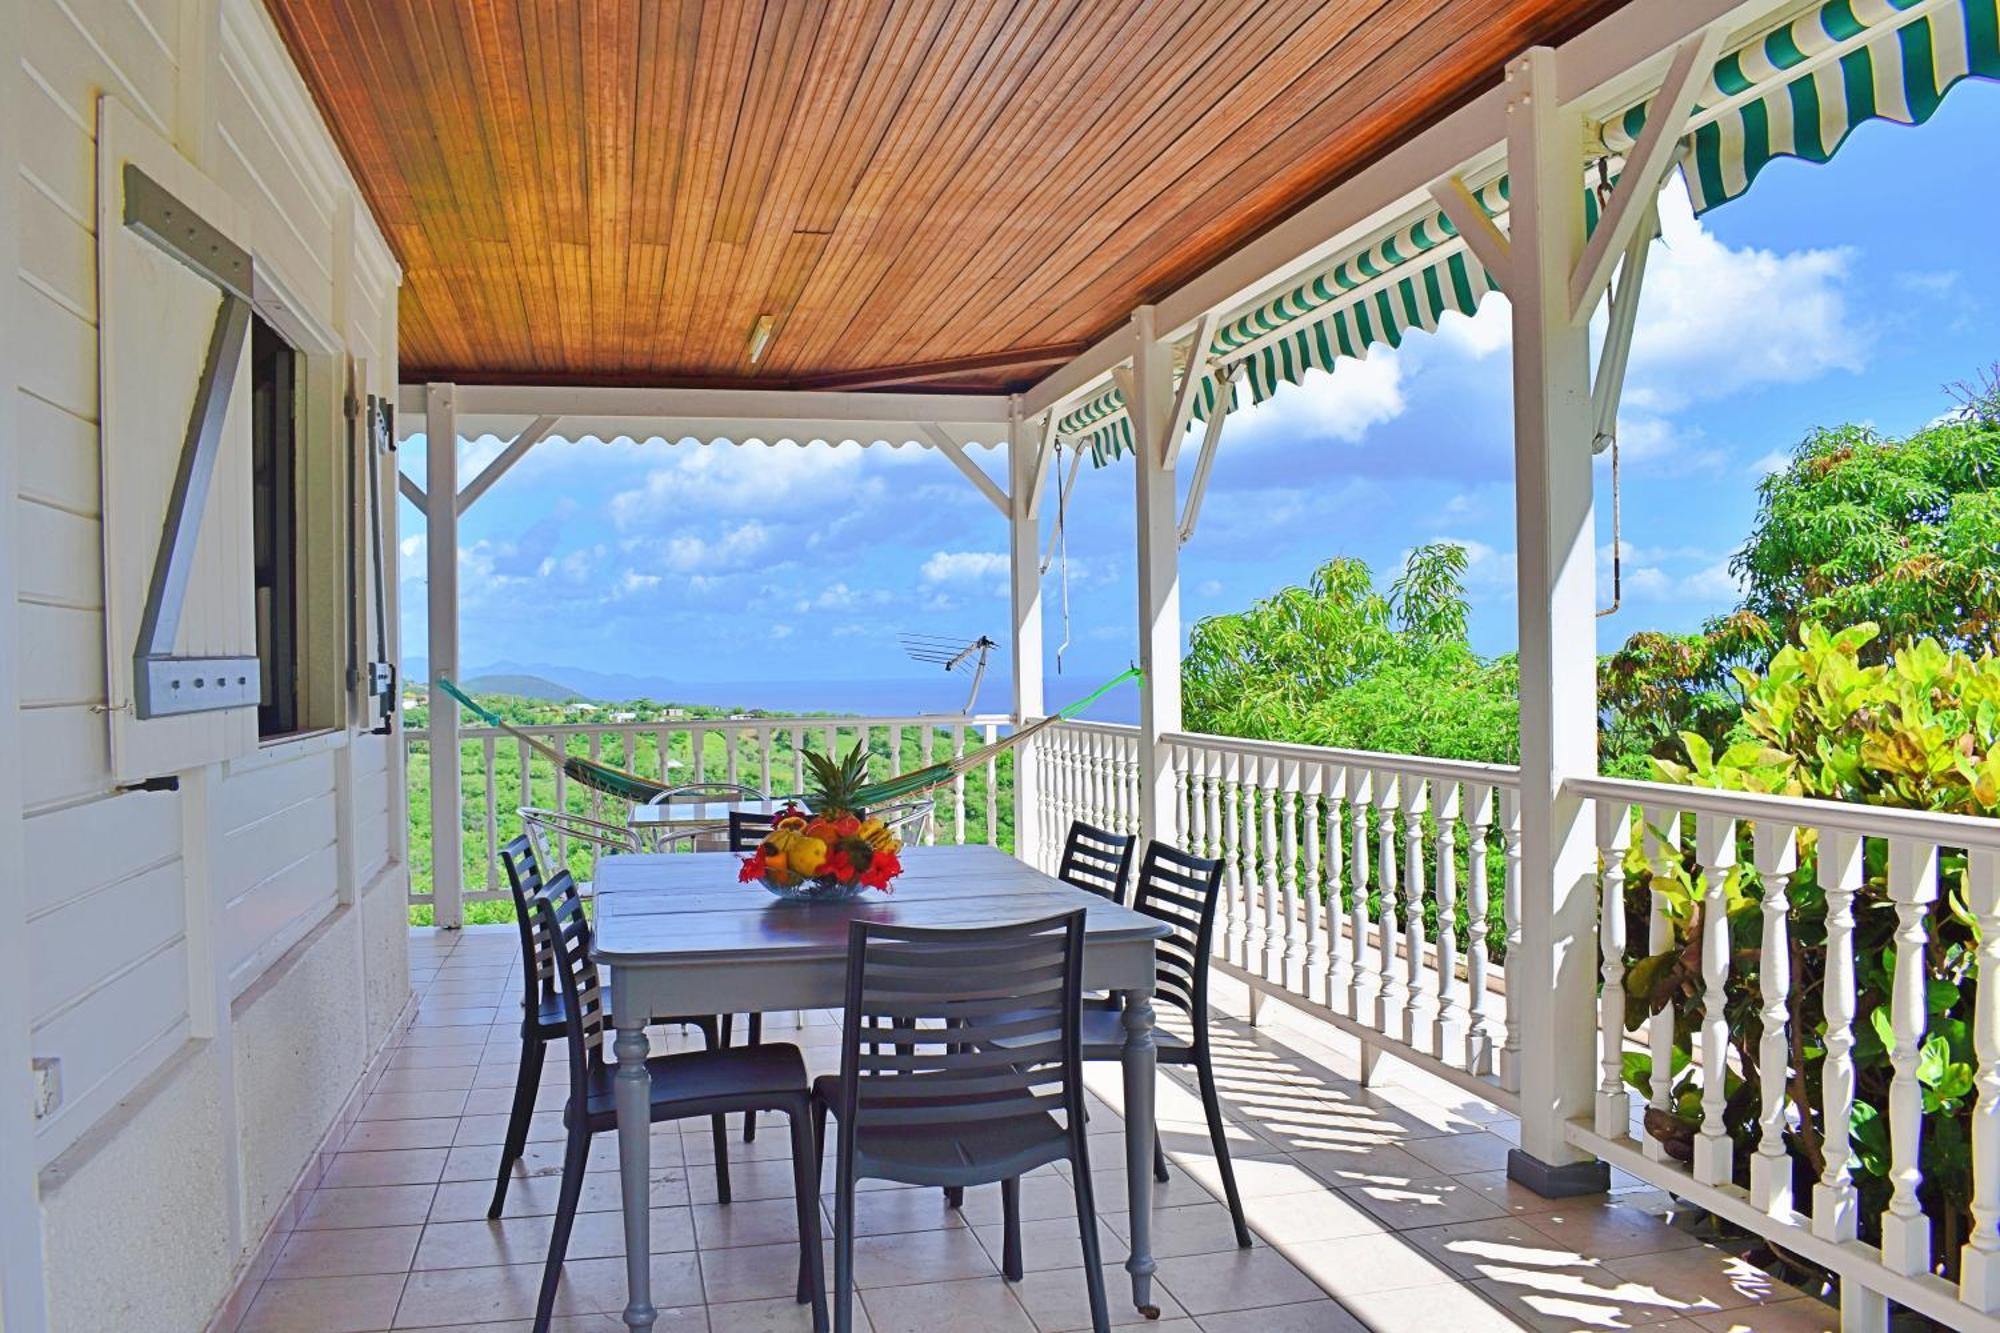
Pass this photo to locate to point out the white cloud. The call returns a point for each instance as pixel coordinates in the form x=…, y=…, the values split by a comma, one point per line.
x=1716, y=319
x=1344, y=404
x=725, y=478
x=686, y=554
x=964, y=566
x=1209, y=588
x=1488, y=330
x=413, y=559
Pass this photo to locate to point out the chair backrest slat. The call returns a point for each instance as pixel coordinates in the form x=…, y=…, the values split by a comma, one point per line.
x=523, y=865
x=1097, y=861
x=747, y=828
x=962, y=1026
x=1183, y=891
x=566, y=930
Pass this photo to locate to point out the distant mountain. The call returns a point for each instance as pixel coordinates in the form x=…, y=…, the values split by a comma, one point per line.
x=523, y=686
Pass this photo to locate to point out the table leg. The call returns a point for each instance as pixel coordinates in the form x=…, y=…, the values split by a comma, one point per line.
x=1138, y=1060
x=633, y=1094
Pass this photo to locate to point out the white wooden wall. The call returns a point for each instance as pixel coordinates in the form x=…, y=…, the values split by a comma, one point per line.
x=146, y=914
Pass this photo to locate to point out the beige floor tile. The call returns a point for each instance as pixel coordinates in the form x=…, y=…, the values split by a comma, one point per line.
x=1382, y=1164
x=479, y=1130
x=979, y=1306
x=1804, y=1315
x=1059, y=1302
x=779, y=1314
x=367, y=1206
x=1458, y=1154
x=1352, y=1265
x=1042, y=1197
x=590, y=1286
x=441, y=1078
x=1237, y=1280
x=1299, y=1218
x=1473, y=1249
x=750, y=1222
x=386, y=1135
x=1053, y=1242
x=1194, y=1228
x=324, y=1305
x=885, y=1212
x=1306, y=1317
x=1704, y=1279
x=347, y=1252
x=1433, y=1309
x=413, y=1105
x=919, y=1256
x=1567, y=1302
x=753, y=1272
x=393, y=1166
x=1422, y=1203
x=1517, y=1200
x=1605, y=1228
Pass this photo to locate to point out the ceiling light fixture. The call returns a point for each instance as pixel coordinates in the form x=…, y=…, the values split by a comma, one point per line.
x=760, y=337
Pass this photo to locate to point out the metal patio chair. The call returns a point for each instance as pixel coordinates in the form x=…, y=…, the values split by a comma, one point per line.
x=694, y=1083
x=709, y=837
x=551, y=831
x=927, y=1094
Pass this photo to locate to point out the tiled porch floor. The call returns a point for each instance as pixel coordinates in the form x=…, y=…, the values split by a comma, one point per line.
x=1382, y=1209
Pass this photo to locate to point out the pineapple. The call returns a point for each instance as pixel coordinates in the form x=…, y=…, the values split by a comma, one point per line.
x=834, y=782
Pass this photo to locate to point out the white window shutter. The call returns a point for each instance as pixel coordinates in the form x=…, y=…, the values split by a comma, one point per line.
x=156, y=316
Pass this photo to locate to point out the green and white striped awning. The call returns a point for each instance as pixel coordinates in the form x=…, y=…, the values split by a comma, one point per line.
x=1797, y=91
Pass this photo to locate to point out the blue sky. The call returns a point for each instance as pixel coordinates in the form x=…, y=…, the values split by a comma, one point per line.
x=1848, y=292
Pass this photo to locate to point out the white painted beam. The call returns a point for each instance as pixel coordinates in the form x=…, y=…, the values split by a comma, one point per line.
x=1211, y=438
x=974, y=473
x=413, y=493
x=1609, y=384
x=1027, y=457
x=1645, y=170
x=1036, y=481
x=1482, y=236
x=1185, y=397
x=1158, y=562
x=535, y=432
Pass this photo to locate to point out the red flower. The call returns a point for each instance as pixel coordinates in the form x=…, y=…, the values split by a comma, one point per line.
x=837, y=865
x=882, y=868
x=753, y=868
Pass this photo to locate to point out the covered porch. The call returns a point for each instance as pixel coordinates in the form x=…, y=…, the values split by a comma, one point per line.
x=984, y=234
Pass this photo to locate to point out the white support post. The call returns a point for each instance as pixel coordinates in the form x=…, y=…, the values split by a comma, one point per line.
x=1554, y=522
x=441, y=541
x=1159, y=575
x=1026, y=458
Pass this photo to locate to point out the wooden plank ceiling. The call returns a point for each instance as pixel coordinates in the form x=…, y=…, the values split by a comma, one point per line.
x=945, y=194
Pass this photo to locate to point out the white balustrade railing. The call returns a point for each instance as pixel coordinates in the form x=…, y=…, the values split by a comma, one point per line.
x=1338, y=867
x=500, y=773
x=1804, y=873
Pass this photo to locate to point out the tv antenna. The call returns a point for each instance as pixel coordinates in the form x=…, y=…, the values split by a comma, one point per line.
x=953, y=655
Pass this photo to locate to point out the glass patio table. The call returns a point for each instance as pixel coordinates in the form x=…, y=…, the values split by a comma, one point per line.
x=678, y=934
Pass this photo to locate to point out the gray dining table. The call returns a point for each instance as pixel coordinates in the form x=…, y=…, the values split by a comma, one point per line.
x=679, y=935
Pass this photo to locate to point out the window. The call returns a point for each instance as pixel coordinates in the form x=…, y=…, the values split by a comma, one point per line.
x=274, y=452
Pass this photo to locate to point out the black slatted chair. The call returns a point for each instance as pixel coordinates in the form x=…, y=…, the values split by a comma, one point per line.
x=747, y=828
x=543, y=1013
x=1097, y=861
x=927, y=1094
x=694, y=1083
x=1183, y=891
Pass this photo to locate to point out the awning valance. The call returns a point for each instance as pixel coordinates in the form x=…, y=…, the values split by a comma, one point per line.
x=1797, y=90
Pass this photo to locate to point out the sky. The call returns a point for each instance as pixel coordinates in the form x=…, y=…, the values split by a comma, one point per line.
x=1853, y=291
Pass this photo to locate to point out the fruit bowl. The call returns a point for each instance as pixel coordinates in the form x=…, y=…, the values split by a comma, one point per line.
x=830, y=853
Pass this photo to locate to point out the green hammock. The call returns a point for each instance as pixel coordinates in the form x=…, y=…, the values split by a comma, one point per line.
x=629, y=786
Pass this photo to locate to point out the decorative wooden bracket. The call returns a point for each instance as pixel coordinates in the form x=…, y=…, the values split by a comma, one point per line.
x=955, y=451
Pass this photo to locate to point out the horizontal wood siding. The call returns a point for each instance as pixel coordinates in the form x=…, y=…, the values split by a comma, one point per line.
x=276, y=859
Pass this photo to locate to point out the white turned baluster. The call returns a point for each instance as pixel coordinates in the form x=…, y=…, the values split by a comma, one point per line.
x=798, y=760
x=927, y=743
x=1232, y=845
x=1979, y=1260
x=1294, y=968
x=1182, y=786
x=989, y=736
x=1482, y=1042
x=1361, y=981
x=1841, y=872
x=1190, y=764
x=594, y=747
x=957, y=786
x=1614, y=836
x=1663, y=853
x=1715, y=853
x=1510, y=924
x=1338, y=960
x=1254, y=903
x=1416, y=1013
x=1266, y=797
x=1312, y=901
x=1449, y=1027
x=733, y=760
x=1389, y=991
x=492, y=819
x=1906, y=1231
x=1776, y=855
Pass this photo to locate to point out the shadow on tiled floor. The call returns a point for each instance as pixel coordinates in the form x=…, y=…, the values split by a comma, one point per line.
x=1383, y=1209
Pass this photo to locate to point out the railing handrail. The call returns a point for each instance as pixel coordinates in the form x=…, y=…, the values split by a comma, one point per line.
x=1447, y=770
x=1881, y=821
x=802, y=722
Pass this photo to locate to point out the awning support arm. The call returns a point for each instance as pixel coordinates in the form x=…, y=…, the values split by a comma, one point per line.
x=955, y=451
x=1066, y=488
x=1038, y=476
x=1609, y=383
x=536, y=432
x=1482, y=236
x=1189, y=390
x=1211, y=437
x=1645, y=168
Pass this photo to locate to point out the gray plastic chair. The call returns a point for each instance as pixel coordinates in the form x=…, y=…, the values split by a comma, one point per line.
x=1096, y=861
x=926, y=1093
x=1183, y=891
x=694, y=1083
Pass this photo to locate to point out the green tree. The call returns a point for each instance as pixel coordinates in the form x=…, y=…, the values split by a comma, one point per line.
x=1338, y=663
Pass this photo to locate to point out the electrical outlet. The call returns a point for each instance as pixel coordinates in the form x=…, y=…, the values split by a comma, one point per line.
x=48, y=1085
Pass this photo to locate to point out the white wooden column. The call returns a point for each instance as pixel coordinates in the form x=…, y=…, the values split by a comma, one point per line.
x=23, y=1303
x=441, y=542
x=1158, y=564
x=1026, y=466
x=1552, y=978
